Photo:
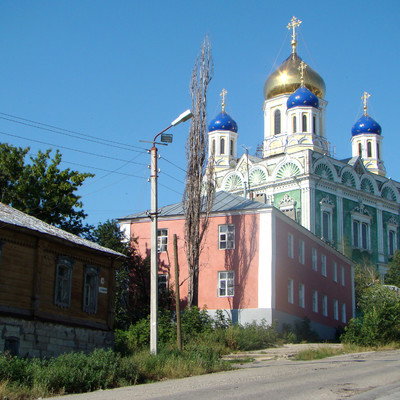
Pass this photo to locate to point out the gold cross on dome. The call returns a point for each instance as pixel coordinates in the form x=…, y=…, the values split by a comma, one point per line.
x=365, y=98
x=223, y=94
x=302, y=68
x=294, y=23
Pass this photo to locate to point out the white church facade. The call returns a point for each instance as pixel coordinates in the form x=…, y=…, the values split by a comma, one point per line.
x=349, y=203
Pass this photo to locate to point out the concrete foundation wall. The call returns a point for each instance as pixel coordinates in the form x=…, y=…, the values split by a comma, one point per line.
x=244, y=316
x=46, y=339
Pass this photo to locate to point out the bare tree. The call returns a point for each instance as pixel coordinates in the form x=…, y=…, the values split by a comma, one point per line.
x=199, y=190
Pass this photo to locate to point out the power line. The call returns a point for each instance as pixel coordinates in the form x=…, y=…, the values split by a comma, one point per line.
x=72, y=149
x=170, y=162
x=75, y=134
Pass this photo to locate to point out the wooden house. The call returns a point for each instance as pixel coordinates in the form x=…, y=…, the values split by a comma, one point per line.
x=56, y=289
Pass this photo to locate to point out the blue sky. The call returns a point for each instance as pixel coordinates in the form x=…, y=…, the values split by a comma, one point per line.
x=120, y=71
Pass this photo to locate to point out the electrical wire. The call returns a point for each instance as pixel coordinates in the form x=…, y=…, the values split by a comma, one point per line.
x=63, y=131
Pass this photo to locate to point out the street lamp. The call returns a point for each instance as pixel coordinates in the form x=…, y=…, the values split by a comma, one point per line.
x=154, y=219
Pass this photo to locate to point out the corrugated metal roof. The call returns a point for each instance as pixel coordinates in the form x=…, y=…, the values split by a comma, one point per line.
x=223, y=202
x=11, y=216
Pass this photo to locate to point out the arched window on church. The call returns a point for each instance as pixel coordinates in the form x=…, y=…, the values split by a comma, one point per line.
x=369, y=149
x=314, y=125
x=359, y=149
x=294, y=124
x=213, y=147
x=231, y=149
x=222, y=146
x=378, y=151
x=277, y=122
x=304, y=120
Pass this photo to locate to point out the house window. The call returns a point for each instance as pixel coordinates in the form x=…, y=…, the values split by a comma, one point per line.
x=361, y=234
x=222, y=146
x=162, y=240
x=323, y=264
x=325, y=305
x=392, y=242
x=162, y=283
x=369, y=149
x=277, y=122
x=315, y=301
x=290, y=246
x=290, y=291
x=304, y=120
x=11, y=346
x=342, y=275
x=62, y=292
x=336, y=309
x=226, y=237
x=314, y=260
x=359, y=149
x=344, y=318
x=301, y=252
x=327, y=206
x=226, y=283
x=91, y=289
x=334, y=272
x=301, y=295
x=294, y=120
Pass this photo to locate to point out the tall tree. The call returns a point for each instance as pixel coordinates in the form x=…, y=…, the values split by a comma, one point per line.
x=393, y=275
x=41, y=189
x=199, y=191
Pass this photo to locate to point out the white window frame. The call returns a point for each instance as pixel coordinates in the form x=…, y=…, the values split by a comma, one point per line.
x=314, y=259
x=162, y=240
x=360, y=218
x=91, y=289
x=335, y=272
x=327, y=206
x=63, y=282
x=226, y=283
x=290, y=291
x=301, y=252
x=290, y=245
x=325, y=305
x=226, y=237
x=302, y=303
x=392, y=227
x=315, y=301
x=162, y=283
x=344, y=318
x=336, y=309
x=342, y=279
x=323, y=265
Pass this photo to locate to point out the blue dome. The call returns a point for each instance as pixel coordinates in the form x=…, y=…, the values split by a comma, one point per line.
x=302, y=97
x=223, y=122
x=366, y=124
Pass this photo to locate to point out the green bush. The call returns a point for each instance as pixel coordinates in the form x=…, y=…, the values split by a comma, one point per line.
x=379, y=322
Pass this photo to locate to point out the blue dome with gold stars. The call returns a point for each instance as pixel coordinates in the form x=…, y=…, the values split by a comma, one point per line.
x=366, y=124
x=223, y=122
x=302, y=97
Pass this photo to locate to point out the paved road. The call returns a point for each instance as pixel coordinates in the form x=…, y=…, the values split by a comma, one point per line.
x=363, y=376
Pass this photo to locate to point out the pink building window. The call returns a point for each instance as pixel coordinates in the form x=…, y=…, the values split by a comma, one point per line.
x=226, y=283
x=226, y=237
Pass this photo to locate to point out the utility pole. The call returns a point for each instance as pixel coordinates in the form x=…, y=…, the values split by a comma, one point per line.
x=154, y=227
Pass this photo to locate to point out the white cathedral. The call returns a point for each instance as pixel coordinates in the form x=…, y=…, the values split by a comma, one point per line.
x=348, y=203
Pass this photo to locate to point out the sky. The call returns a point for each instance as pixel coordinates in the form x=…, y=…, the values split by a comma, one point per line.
x=117, y=72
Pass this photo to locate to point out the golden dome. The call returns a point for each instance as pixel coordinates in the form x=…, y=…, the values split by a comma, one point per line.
x=286, y=79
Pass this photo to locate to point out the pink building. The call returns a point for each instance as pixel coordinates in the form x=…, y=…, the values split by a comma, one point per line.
x=256, y=263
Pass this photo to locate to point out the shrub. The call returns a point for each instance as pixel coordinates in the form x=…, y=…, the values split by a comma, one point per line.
x=379, y=322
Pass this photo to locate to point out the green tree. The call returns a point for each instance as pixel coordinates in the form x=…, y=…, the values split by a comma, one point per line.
x=393, y=275
x=41, y=189
x=365, y=275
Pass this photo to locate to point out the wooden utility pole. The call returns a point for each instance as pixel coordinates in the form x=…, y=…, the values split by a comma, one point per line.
x=177, y=297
